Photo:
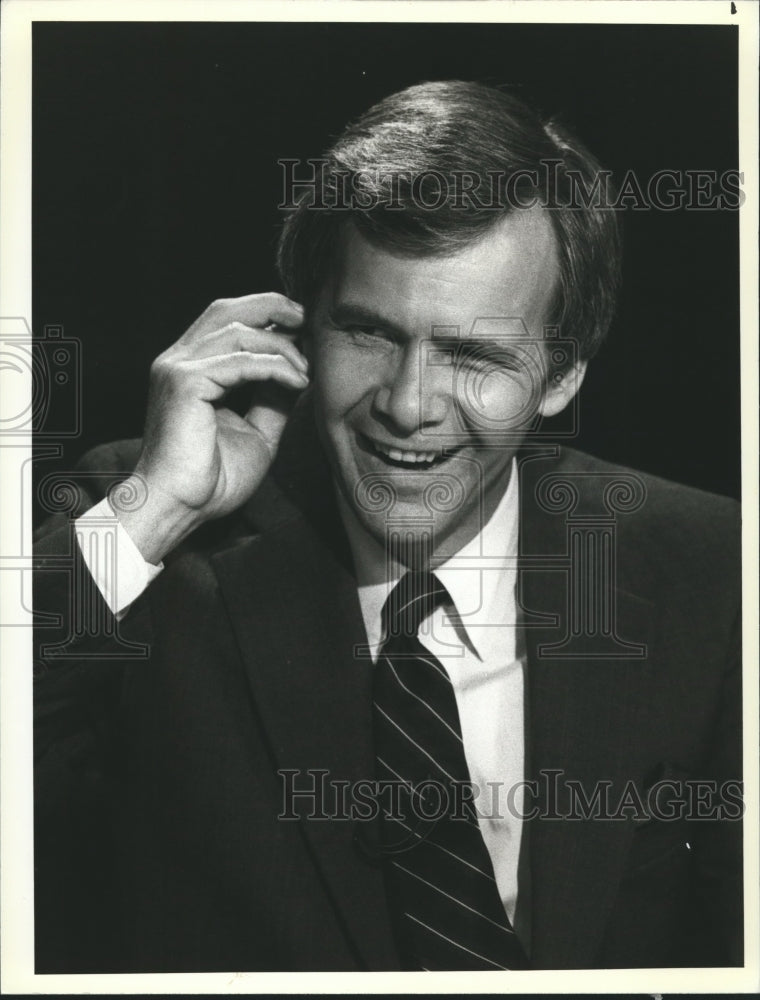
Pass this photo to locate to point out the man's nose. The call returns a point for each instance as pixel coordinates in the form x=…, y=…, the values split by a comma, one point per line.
x=412, y=396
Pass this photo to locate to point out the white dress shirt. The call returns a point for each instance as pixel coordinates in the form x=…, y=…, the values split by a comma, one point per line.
x=477, y=645
x=113, y=559
x=475, y=641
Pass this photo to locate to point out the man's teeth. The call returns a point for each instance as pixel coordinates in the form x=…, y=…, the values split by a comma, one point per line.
x=407, y=456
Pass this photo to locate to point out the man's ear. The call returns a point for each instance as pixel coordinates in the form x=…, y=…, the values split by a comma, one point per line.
x=559, y=392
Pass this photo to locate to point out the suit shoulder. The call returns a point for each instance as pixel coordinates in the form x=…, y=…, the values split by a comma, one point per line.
x=663, y=497
x=671, y=521
x=100, y=469
x=93, y=476
x=111, y=458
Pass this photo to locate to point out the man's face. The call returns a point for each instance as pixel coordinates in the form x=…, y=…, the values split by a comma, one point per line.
x=426, y=371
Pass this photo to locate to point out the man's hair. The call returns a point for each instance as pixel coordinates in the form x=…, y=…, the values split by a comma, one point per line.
x=427, y=171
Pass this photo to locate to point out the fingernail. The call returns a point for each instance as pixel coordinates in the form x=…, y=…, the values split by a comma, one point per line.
x=302, y=363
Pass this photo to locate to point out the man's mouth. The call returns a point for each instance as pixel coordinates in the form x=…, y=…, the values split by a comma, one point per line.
x=407, y=458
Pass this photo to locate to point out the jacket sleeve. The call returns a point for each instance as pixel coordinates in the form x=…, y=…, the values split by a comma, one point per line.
x=80, y=655
x=80, y=648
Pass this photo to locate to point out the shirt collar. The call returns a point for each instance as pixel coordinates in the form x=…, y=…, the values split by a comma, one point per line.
x=477, y=577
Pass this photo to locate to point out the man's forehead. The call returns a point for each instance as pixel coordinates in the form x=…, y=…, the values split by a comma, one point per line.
x=510, y=274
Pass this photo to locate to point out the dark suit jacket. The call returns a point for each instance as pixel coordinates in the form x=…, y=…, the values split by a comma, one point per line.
x=158, y=843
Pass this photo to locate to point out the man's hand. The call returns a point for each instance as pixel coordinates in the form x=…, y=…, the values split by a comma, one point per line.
x=201, y=460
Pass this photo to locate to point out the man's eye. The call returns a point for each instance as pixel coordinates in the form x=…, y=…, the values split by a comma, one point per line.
x=365, y=333
x=486, y=361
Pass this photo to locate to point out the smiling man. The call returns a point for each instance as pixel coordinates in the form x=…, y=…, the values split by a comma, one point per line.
x=393, y=390
x=356, y=668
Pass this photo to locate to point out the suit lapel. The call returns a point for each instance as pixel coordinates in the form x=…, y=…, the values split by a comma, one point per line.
x=292, y=600
x=581, y=721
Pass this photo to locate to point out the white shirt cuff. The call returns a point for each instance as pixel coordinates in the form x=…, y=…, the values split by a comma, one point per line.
x=114, y=561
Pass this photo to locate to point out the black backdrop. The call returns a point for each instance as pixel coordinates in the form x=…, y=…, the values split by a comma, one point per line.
x=155, y=186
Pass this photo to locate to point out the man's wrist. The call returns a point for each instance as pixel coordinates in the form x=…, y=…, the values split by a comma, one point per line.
x=158, y=524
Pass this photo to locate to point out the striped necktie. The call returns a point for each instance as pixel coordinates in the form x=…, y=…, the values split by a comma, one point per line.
x=442, y=892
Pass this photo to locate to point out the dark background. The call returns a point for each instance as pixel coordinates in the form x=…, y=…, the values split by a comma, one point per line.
x=156, y=183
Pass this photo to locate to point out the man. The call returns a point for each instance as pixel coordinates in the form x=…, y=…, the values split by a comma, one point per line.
x=348, y=563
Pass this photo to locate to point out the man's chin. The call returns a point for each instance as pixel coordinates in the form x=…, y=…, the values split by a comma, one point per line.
x=415, y=543
x=411, y=548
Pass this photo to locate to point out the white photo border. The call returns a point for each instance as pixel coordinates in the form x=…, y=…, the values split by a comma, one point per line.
x=17, y=952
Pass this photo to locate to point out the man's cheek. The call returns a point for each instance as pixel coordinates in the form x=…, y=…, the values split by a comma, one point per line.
x=340, y=384
x=496, y=401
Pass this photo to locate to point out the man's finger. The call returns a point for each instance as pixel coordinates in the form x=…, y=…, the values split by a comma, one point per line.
x=258, y=310
x=213, y=377
x=238, y=337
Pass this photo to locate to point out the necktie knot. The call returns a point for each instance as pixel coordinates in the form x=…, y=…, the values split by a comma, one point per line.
x=415, y=596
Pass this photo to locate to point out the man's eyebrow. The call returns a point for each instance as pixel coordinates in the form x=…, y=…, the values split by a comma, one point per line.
x=349, y=312
x=469, y=345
